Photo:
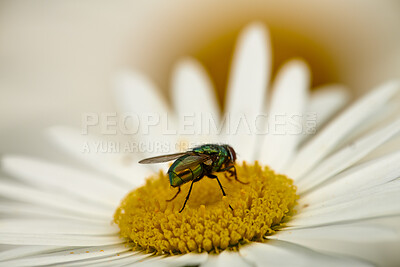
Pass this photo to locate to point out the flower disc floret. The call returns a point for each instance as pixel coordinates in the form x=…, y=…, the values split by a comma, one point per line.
x=207, y=223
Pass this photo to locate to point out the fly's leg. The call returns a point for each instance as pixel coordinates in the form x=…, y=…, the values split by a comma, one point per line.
x=226, y=175
x=232, y=173
x=187, y=197
x=212, y=176
x=177, y=193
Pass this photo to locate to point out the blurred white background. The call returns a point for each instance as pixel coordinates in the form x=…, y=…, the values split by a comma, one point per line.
x=57, y=58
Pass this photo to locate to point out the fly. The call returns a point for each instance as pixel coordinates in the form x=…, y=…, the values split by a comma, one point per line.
x=193, y=165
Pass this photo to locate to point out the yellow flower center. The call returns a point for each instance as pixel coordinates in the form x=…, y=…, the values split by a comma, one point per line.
x=207, y=223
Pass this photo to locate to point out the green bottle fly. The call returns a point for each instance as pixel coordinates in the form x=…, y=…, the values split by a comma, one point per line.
x=193, y=165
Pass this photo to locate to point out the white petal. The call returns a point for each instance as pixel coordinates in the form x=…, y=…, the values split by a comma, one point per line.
x=380, y=201
x=147, y=262
x=356, y=233
x=387, y=114
x=247, y=85
x=322, y=144
x=391, y=146
x=190, y=259
x=324, y=102
x=384, y=253
x=28, y=211
x=29, y=195
x=347, y=156
x=23, y=251
x=29, y=226
x=119, y=165
x=120, y=259
x=225, y=258
x=45, y=175
x=194, y=100
x=327, y=100
x=328, y=203
x=289, y=100
x=59, y=240
x=360, y=177
x=280, y=253
x=136, y=93
x=139, y=96
x=68, y=256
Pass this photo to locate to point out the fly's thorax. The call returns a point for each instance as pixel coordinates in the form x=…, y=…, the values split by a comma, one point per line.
x=220, y=155
x=208, y=149
x=223, y=158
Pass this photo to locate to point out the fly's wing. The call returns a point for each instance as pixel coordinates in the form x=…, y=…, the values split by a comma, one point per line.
x=193, y=160
x=163, y=158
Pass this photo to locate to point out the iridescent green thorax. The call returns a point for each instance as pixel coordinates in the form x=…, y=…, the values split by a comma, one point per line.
x=220, y=151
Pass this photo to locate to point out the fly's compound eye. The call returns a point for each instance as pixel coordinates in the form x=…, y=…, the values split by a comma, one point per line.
x=232, y=153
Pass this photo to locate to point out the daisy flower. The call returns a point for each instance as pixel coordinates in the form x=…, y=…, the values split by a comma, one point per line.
x=310, y=197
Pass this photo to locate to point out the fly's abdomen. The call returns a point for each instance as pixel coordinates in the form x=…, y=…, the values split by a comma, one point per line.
x=177, y=178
